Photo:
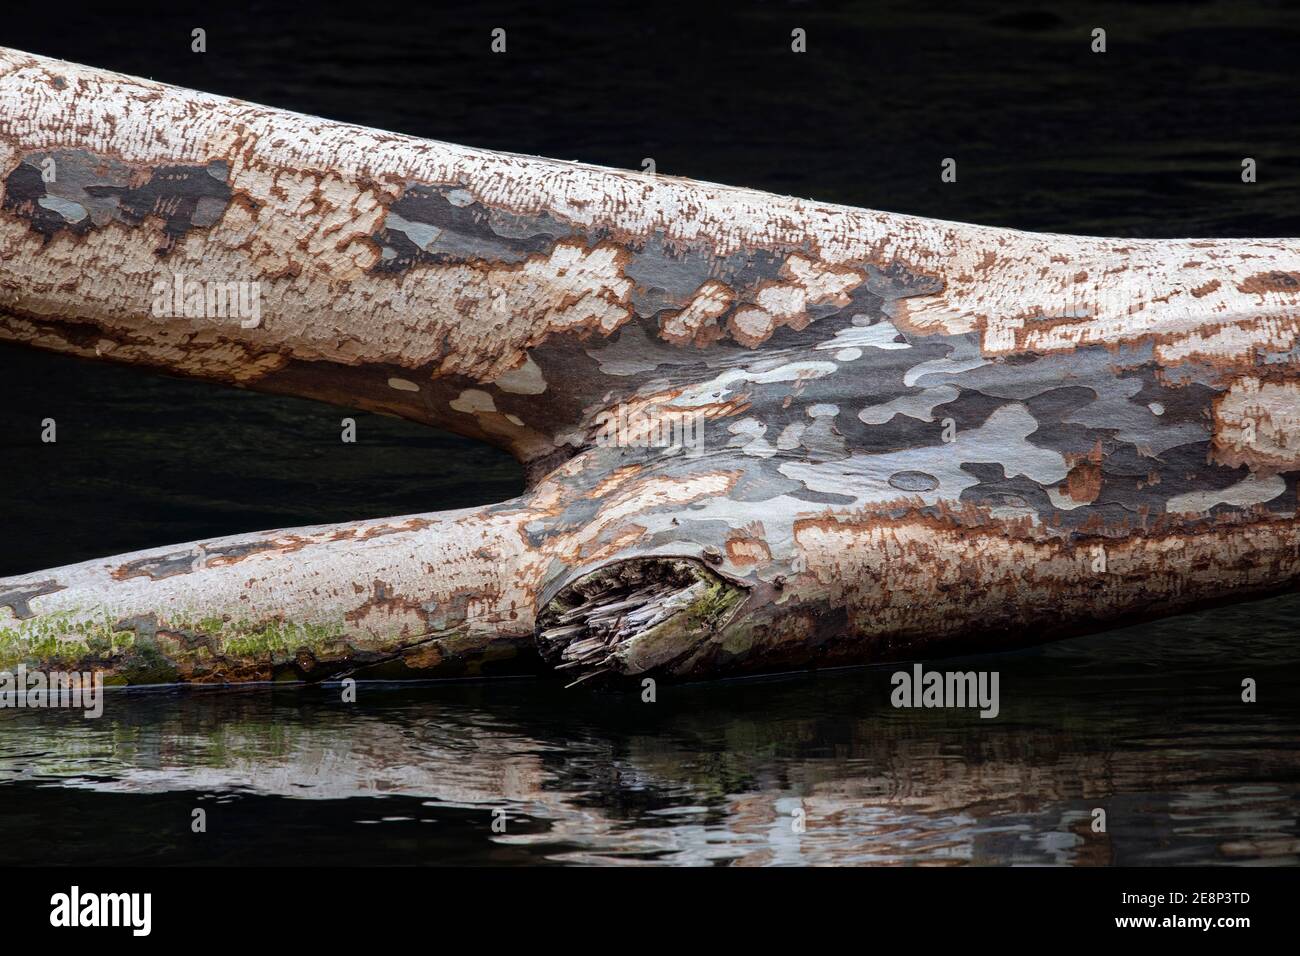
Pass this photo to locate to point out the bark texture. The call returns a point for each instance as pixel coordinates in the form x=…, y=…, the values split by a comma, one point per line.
x=760, y=432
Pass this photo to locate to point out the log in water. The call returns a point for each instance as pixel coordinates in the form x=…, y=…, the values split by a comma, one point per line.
x=761, y=433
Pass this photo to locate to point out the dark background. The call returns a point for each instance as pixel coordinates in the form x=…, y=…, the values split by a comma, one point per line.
x=1144, y=140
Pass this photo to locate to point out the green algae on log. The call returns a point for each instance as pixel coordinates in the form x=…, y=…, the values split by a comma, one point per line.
x=760, y=433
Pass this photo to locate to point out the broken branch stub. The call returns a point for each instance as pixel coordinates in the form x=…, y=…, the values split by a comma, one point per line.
x=760, y=433
x=634, y=617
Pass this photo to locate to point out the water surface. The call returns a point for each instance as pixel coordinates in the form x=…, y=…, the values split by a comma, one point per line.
x=1146, y=723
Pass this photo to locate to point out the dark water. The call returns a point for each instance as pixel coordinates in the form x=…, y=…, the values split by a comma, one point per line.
x=1146, y=723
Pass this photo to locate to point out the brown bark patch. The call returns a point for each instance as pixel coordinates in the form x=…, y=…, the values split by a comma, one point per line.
x=1264, y=282
x=746, y=547
x=1083, y=483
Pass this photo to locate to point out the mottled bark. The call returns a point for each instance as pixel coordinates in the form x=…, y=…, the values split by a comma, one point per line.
x=760, y=432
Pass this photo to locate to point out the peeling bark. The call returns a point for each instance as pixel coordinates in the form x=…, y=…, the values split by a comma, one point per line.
x=760, y=432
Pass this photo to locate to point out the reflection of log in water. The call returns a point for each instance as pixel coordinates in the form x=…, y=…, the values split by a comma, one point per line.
x=885, y=436
x=874, y=784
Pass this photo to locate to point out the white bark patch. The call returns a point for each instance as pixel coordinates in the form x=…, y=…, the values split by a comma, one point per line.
x=420, y=233
x=808, y=283
x=472, y=401
x=752, y=326
x=1062, y=501
x=919, y=406
x=878, y=336
x=1251, y=490
x=525, y=380
x=790, y=436
x=1258, y=424
x=711, y=300
x=750, y=438
x=719, y=388
x=69, y=210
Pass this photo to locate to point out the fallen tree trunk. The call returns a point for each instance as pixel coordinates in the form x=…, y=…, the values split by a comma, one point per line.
x=760, y=432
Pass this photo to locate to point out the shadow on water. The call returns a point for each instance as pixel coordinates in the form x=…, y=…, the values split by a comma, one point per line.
x=1146, y=723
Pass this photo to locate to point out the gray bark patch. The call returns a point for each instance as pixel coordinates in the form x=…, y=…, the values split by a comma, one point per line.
x=17, y=598
x=75, y=191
